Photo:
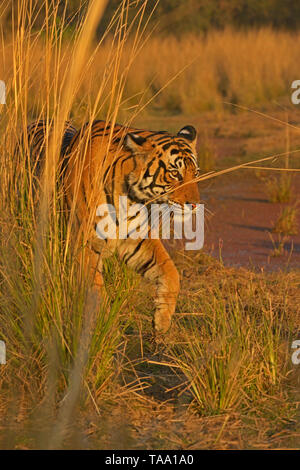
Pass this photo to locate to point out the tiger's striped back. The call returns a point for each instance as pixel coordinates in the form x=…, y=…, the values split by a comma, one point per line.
x=35, y=139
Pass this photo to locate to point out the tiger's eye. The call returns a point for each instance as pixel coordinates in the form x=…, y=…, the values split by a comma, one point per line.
x=175, y=173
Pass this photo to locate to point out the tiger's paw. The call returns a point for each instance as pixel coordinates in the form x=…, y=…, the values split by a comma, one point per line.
x=162, y=323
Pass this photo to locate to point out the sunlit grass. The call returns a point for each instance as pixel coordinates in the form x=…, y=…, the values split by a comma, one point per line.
x=60, y=342
x=235, y=350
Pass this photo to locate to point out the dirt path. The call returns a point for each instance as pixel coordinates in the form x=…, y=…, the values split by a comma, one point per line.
x=239, y=223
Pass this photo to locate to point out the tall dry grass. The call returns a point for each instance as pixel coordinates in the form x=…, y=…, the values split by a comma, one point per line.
x=241, y=67
x=244, y=67
x=60, y=341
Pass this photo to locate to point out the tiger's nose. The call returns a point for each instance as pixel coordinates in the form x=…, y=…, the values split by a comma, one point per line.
x=192, y=204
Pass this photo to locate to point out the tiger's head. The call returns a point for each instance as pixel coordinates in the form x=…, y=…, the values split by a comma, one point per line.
x=165, y=167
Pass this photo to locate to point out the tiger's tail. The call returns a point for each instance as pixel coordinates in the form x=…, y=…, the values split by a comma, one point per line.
x=33, y=143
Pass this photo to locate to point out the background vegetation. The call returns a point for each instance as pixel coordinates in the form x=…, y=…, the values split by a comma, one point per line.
x=186, y=75
x=177, y=17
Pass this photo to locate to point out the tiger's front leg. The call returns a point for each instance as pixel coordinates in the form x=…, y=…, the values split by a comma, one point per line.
x=150, y=258
x=93, y=269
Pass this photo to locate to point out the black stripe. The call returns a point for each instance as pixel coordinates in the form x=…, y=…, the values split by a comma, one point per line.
x=150, y=266
x=137, y=248
x=163, y=140
x=166, y=146
x=147, y=174
x=142, y=269
x=110, y=202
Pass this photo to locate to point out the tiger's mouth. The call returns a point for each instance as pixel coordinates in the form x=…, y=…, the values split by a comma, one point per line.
x=181, y=205
x=175, y=204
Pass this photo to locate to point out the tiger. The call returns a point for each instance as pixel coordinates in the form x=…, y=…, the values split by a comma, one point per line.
x=104, y=161
x=107, y=161
x=33, y=141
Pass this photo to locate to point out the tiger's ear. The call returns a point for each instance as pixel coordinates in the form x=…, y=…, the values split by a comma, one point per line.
x=135, y=142
x=189, y=133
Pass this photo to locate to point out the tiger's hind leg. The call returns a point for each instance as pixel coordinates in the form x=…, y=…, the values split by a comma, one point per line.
x=150, y=258
x=94, y=255
x=94, y=268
